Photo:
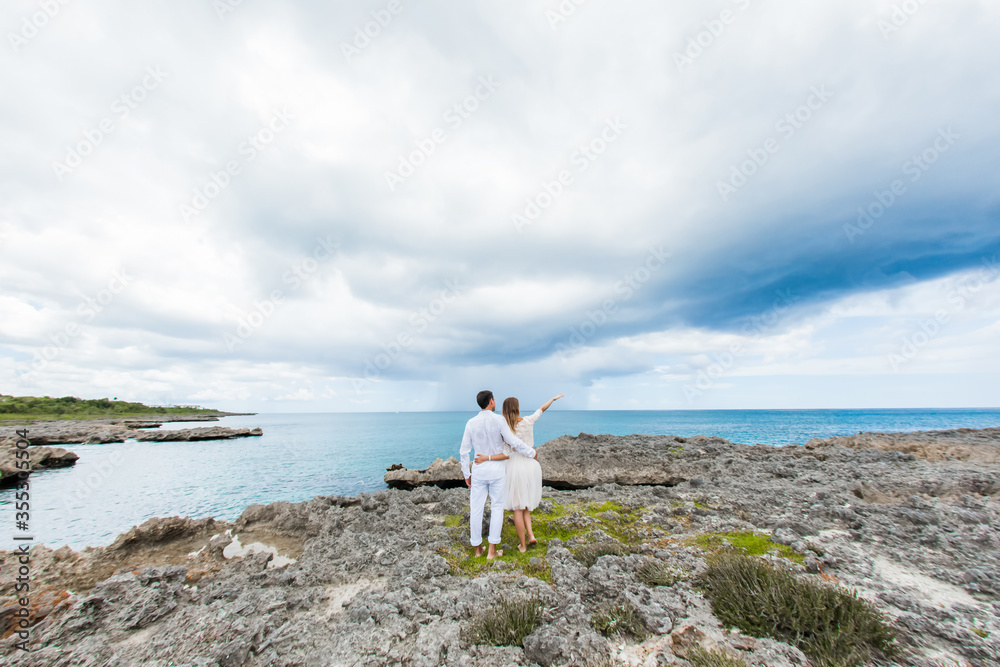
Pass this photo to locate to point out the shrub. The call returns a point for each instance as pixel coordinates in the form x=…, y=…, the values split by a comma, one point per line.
x=831, y=625
x=589, y=553
x=657, y=573
x=699, y=657
x=506, y=622
x=619, y=619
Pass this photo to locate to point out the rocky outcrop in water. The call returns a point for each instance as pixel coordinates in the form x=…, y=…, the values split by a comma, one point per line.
x=91, y=432
x=444, y=474
x=375, y=580
x=97, y=431
x=202, y=433
x=591, y=460
x=586, y=461
x=962, y=444
x=41, y=458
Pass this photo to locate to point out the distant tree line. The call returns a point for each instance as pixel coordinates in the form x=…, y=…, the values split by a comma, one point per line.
x=71, y=405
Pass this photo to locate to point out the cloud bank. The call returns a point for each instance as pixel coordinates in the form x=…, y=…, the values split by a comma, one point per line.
x=389, y=205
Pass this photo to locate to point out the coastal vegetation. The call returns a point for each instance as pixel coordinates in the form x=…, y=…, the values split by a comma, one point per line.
x=831, y=625
x=505, y=621
x=700, y=657
x=589, y=553
x=655, y=572
x=71, y=407
x=619, y=619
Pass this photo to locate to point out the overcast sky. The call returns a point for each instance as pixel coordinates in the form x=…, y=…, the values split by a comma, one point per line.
x=389, y=205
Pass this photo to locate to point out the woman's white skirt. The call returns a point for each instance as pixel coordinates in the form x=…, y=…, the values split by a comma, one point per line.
x=524, y=483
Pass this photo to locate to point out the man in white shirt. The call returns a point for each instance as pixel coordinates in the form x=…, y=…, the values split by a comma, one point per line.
x=486, y=433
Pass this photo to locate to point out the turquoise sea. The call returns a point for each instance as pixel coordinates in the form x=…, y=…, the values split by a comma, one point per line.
x=115, y=486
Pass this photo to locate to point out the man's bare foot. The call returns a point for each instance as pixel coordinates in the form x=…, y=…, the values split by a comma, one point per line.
x=494, y=553
x=480, y=551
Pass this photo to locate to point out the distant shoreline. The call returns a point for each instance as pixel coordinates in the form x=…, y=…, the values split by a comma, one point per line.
x=13, y=418
x=28, y=409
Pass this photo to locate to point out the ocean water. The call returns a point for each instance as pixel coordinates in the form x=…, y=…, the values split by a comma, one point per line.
x=116, y=486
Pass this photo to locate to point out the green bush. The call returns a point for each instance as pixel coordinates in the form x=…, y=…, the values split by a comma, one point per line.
x=619, y=619
x=72, y=407
x=506, y=622
x=657, y=573
x=831, y=625
x=699, y=657
x=589, y=553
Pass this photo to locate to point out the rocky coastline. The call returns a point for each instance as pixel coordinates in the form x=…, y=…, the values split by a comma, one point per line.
x=42, y=434
x=386, y=578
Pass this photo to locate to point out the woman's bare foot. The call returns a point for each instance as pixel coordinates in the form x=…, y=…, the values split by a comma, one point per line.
x=532, y=541
x=521, y=548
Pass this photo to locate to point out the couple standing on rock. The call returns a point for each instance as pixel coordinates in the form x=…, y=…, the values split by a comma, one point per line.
x=504, y=468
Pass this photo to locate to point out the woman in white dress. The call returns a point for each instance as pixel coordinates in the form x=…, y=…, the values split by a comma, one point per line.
x=524, y=475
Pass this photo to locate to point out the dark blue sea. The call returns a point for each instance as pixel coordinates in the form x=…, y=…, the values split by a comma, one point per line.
x=113, y=487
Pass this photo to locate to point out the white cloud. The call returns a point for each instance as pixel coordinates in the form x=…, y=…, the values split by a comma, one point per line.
x=162, y=338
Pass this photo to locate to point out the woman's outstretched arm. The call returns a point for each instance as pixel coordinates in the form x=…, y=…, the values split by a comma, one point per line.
x=551, y=401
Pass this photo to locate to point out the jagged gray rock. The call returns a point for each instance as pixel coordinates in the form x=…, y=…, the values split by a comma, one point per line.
x=40, y=458
x=368, y=585
x=586, y=461
x=97, y=431
x=961, y=444
x=444, y=474
x=201, y=433
x=102, y=431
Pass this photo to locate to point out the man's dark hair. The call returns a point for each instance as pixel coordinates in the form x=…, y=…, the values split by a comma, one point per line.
x=483, y=398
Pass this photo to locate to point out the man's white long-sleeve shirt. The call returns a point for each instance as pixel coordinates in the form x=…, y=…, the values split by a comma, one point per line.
x=485, y=433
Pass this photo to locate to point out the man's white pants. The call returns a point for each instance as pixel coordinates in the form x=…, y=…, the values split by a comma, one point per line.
x=477, y=502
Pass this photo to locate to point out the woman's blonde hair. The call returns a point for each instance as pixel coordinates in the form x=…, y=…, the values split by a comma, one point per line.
x=511, y=411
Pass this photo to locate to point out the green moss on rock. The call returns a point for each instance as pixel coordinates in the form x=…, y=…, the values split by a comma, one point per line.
x=748, y=543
